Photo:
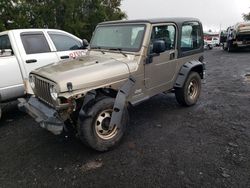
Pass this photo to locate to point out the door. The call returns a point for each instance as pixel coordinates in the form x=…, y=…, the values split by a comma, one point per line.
x=11, y=81
x=160, y=70
x=36, y=51
x=67, y=46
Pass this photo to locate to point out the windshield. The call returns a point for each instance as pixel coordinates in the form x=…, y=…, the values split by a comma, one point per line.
x=118, y=37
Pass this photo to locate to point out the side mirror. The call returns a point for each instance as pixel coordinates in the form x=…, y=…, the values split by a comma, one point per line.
x=6, y=52
x=85, y=43
x=159, y=46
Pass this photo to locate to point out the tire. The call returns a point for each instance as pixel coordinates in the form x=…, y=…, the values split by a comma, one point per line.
x=0, y=112
x=93, y=130
x=189, y=94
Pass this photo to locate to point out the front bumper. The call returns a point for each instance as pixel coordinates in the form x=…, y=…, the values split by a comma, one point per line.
x=47, y=117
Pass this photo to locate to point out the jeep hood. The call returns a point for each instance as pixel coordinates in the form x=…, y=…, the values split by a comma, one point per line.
x=88, y=71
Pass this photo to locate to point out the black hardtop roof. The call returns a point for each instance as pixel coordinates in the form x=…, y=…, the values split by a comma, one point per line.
x=177, y=20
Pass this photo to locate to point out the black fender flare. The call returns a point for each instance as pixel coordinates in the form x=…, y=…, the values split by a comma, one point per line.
x=120, y=103
x=89, y=97
x=186, y=69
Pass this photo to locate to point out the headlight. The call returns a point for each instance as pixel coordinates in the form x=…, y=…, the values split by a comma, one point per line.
x=32, y=81
x=53, y=92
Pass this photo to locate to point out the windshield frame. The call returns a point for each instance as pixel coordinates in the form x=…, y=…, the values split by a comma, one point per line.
x=118, y=48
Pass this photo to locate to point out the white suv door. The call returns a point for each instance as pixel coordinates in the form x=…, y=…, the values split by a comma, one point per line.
x=67, y=46
x=37, y=51
x=11, y=81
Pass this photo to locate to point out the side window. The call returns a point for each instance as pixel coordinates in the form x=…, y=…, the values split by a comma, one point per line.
x=191, y=36
x=5, y=46
x=166, y=33
x=5, y=42
x=35, y=43
x=64, y=42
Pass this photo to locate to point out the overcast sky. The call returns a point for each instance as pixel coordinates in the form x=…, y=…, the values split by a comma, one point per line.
x=212, y=13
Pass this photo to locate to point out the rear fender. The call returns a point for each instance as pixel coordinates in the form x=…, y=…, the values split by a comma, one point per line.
x=196, y=66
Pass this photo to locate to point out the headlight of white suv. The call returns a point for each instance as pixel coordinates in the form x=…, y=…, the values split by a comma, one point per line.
x=53, y=92
x=32, y=81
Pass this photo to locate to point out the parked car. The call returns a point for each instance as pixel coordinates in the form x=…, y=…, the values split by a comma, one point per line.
x=215, y=41
x=207, y=46
x=24, y=50
x=128, y=62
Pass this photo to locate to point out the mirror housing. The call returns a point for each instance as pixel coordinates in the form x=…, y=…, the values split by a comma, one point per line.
x=6, y=52
x=159, y=46
x=85, y=43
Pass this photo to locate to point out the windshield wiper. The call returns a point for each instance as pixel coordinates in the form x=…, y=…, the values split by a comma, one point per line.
x=99, y=48
x=120, y=50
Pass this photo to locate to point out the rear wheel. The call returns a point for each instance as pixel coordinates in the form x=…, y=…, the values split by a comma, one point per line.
x=95, y=132
x=188, y=95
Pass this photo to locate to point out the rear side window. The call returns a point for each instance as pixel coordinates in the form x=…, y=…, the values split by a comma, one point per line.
x=5, y=42
x=35, y=43
x=64, y=42
x=191, y=36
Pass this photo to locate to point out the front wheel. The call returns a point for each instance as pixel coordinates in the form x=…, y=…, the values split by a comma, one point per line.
x=189, y=94
x=95, y=132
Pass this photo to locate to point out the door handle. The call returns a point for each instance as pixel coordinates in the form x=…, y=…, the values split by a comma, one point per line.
x=31, y=61
x=64, y=57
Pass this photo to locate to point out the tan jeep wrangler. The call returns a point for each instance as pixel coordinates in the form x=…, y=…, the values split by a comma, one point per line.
x=128, y=62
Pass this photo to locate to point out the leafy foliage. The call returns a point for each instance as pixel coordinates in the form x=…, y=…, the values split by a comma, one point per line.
x=75, y=16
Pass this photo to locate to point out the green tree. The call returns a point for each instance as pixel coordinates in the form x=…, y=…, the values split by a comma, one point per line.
x=8, y=14
x=246, y=17
x=79, y=17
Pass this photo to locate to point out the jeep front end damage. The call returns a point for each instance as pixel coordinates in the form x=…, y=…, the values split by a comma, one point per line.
x=120, y=103
x=47, y=117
